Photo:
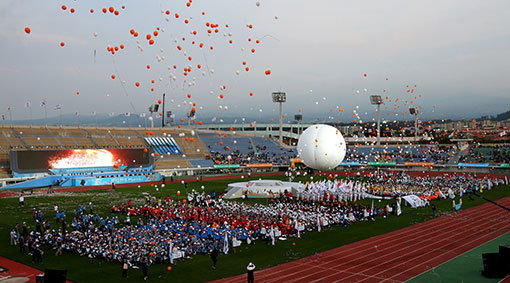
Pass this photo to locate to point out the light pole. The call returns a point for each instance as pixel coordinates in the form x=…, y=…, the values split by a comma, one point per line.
x=414, y=111
x=298, y=118
x=280, y=97
x=377, y=100
x=153, y=108
x=163, y=116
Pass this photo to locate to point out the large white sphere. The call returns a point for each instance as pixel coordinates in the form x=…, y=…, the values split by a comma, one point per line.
x=321, y=147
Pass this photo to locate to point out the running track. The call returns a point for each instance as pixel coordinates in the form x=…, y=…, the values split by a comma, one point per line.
x=396, y=256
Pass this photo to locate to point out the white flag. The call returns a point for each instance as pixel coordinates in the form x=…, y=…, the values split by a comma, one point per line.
x=170, y=252
x=399, y=210
x=272, y=235
x=43, y=103
x=225, y=244
x=58, y=107
x=28, y=104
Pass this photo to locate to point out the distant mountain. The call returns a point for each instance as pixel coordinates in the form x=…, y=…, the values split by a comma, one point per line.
x=502, y=116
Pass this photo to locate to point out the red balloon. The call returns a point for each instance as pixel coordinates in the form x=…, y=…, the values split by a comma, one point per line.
x=62, y=44
x=27, y=30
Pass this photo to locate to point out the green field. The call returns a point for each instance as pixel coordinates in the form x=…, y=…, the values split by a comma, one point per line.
x=197, y=269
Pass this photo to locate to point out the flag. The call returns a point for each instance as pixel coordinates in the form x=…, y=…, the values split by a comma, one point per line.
x=272, y=235
x=127, y=114
x=43, y=103
x=372, y=208
x=58, y=107
x=76, y=113
x=225, y=244
x=28, y=104
x=399, y=209
x=318, y=223
x=94, y=113
x=142, y=115
x=170, y=251
x=3, y=117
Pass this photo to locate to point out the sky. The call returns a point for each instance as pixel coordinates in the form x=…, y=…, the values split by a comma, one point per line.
x=449, y=58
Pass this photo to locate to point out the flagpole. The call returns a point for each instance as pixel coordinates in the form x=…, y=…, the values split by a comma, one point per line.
x=10, y=116
x=30, y=111
x=45, y=116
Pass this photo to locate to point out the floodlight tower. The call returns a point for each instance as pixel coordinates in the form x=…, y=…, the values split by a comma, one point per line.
x=377, y=100
x=153, y=108
x=280, y=97
x=414, y=111
x=298, y=118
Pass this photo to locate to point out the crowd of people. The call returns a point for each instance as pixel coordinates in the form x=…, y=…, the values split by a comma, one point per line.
x=168, y=230
x=439, y=154
x=495, y=154
x=243, y=158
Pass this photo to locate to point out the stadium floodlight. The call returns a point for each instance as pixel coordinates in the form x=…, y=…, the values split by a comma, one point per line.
x=414, y=111
x=298, y=118
x=377, y=100
x=153, y=108
x=280, y=97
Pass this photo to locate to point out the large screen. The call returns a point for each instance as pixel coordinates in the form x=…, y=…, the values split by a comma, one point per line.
x=79, y=158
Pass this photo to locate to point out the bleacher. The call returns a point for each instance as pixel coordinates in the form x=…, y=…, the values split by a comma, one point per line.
x=16, y=137
x=165, y=163
x=400, y=155
x=202, y=163
x=493, y=154
x=164, y=145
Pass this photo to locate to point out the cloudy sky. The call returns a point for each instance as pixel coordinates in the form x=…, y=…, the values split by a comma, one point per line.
x=457, y=53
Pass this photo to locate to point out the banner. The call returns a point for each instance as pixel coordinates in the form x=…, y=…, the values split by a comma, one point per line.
x=225, y=166
x=414, y=201
x=382, y=163
x=419, y=163
x=260, y=165
x=473, y=164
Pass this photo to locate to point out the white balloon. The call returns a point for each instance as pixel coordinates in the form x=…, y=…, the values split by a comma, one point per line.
x=321, y=147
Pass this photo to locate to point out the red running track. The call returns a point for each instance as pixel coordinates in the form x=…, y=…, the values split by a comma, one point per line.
x=396, y=256
x=16, y=269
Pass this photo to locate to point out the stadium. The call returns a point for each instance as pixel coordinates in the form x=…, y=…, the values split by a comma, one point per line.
x=239, y=170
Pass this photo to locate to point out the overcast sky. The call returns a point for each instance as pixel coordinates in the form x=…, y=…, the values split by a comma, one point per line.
x=457, y=53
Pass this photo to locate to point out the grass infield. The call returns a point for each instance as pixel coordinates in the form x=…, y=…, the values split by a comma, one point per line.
x=198, y=269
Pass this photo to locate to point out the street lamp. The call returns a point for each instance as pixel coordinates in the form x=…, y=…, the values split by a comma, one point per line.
x=377, y=100
x=280, y=97
x=414, y=111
